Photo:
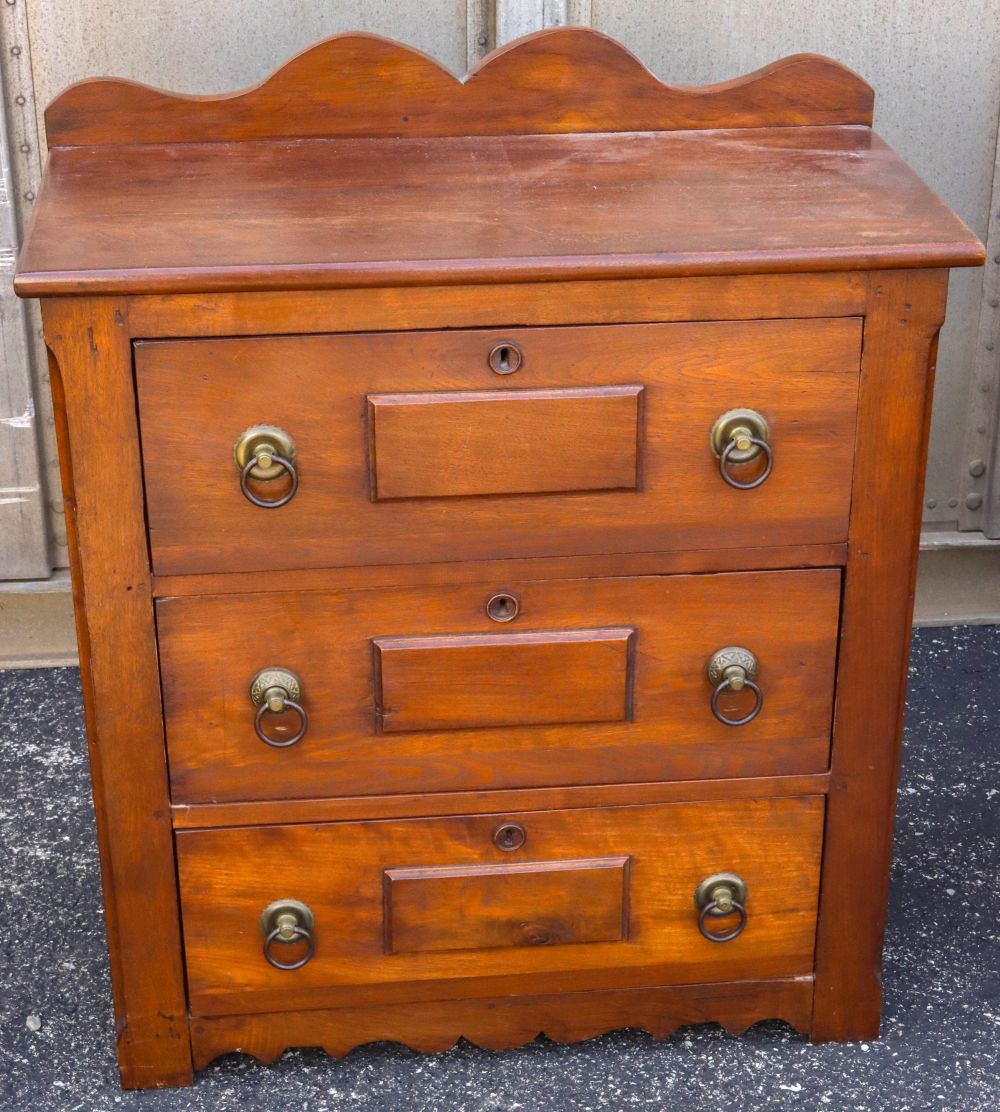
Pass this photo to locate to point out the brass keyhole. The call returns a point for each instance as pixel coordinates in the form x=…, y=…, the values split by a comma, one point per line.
x=503, y=606
x=509, y=836
x=505, y=357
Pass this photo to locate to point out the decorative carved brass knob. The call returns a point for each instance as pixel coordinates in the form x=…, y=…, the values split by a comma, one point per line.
x=284, y=923
x=733, y=669
x=264, y=454
x=739, y=436
x=717, y=897
x=273, y=691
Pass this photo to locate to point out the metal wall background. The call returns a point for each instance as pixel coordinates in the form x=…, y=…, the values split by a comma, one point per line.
x=935, y=68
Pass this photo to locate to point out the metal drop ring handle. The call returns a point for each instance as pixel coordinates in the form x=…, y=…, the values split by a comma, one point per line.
x=735, y=445
x=273, y=691
x=737, y=437
x=713, y=908
x=296, y=934
x=286, y=704
x=266, y=453
x=732, y=669
x=717, y=897
x=286, y=922
x=273, y=503
x=727, y=685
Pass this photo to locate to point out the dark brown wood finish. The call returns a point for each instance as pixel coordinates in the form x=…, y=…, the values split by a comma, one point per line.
x=211, y=647
x=557, y=81
x=802, y=376
x=906, y=313
x=90, y=364
x=228, y=876
x=507, y=1021
x=358, y=232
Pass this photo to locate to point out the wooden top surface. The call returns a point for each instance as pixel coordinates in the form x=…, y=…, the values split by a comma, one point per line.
x=355, y=165
x=357, y=212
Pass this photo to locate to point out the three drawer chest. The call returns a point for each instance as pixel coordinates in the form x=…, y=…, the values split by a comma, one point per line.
x=493, y=509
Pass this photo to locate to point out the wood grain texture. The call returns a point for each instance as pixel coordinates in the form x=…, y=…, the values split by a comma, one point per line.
x=319, y=214
x=624, y=301
x=789, y=619
x=476, y=680
x=494, y=571
x=506, y=1022
x=197, y=816
x=465, y=442
x=801, y=375
x=901, y=331
x=91, y=367
x=555, y=81
x=489, y=907
x=228, y=876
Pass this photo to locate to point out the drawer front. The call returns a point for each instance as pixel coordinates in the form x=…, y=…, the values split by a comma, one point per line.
x=410, y=448
x=417, y=689
x=425, y=908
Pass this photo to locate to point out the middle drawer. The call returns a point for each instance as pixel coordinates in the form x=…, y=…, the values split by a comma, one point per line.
x=417, y=689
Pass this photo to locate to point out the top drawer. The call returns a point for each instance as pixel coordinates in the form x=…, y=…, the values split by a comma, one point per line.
x=419, y=447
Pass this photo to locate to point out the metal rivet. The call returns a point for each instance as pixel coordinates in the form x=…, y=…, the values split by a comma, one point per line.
x=981, y=429
x=482, y=40
x=20, y=99
x=977, y=468
x=989, y=345
x=25, y=148
x=953, y=502
x=973, y=501
x=984, y=387
x=29, y=196
x=16, y=51
x=931, y=503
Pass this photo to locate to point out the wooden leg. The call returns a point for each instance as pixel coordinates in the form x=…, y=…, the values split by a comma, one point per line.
x=905, y=312
x=91, y=363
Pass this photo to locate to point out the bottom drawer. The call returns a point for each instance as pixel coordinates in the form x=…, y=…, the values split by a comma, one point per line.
x=496, y=904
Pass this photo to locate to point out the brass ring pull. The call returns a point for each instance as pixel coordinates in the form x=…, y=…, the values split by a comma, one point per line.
x=273, y=691
x=733, y=669
x=717, y=897
x=740, y=436
x=713, y=907
x=266, y=453
x=286, y=922
x=734, y=446
x=273, y=503
x=727, y=685
x=286, y=704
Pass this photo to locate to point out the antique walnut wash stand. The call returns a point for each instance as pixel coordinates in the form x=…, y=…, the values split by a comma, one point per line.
x=493, y=509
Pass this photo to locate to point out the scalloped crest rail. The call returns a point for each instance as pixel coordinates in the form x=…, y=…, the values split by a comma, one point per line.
x=556, y=81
